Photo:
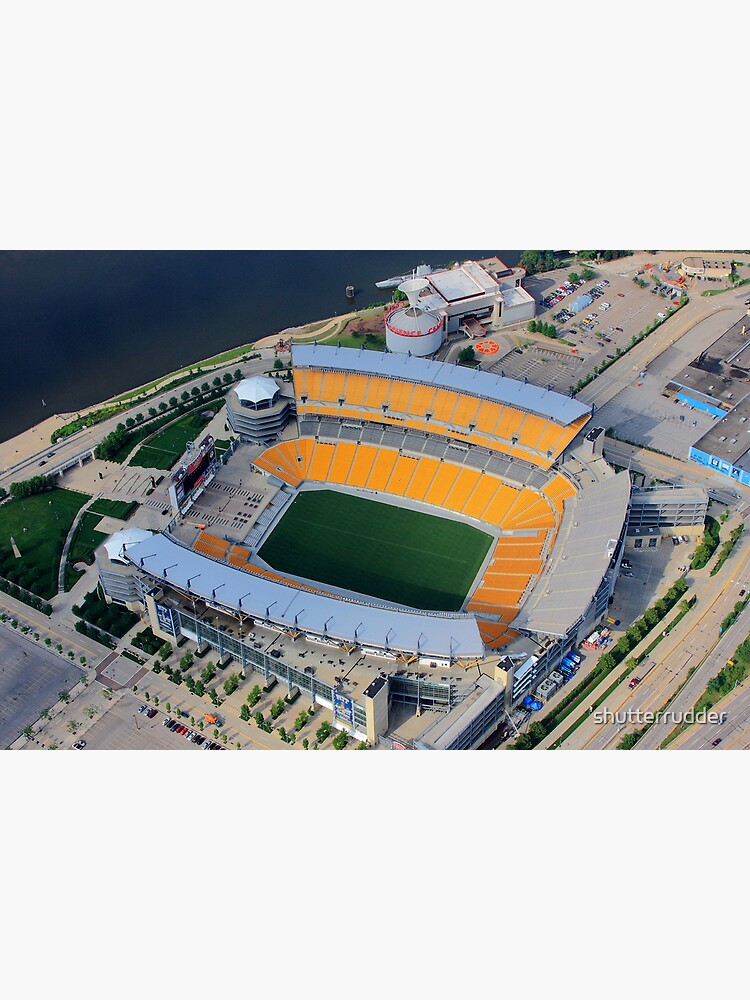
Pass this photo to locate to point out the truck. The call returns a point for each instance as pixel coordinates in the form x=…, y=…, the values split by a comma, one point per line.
x=575, y=657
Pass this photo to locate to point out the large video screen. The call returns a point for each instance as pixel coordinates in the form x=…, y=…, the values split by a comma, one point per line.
x=190, y=478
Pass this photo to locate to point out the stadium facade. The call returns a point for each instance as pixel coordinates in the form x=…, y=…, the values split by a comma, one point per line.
x=511, y=458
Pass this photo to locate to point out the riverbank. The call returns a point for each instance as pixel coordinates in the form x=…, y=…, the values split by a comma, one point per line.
x=34, y=442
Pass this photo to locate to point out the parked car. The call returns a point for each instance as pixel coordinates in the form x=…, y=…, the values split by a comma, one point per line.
x=152, y=713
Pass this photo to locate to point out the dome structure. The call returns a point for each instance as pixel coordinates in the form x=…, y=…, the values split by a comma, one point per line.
x=121, y=540
x=256, y=391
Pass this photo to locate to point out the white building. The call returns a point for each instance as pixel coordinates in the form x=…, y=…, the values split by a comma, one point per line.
x=485, y=291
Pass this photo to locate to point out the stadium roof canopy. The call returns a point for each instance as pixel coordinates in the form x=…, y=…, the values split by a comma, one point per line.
x=256, y=389
x=545, y=402
x=121, y=540
x=223, y=586
x=590, y=528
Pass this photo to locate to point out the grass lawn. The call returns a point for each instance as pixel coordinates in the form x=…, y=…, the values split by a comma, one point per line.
x=121, y=509
x=374, y=548
x=164, y=450
x=47, y=519
x=86, y=539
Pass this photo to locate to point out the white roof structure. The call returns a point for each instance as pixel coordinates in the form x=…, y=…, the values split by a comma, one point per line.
x=463, y=282
x=256, y=389
x=121, y=540
x=222, y=586
x=533, y=399
x=591, y=526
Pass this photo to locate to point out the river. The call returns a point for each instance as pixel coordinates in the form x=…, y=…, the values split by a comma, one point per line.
x=80, y=326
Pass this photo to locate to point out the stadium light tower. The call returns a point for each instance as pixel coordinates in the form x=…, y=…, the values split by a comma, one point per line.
x=164, y=571
x=213, y=592
x=149, y=556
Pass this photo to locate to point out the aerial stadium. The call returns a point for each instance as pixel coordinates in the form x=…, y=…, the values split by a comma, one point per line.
x=409, y=538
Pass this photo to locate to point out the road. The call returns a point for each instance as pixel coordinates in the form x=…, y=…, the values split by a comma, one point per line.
x=654, y=465
x=693, y=643
x=85, y=440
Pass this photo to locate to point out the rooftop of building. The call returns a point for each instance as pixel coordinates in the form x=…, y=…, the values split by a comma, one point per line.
x=720, y=372
x=467, y=281
x=591, y=525
x=729, y=438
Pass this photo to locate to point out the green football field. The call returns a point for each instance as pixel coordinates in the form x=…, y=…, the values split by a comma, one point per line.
x=374, y=548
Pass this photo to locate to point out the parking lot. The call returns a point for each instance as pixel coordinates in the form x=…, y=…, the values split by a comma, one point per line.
x=619, y=310
x=30, y=681
x=123, y=727
x=641, y=412
x=653, y=571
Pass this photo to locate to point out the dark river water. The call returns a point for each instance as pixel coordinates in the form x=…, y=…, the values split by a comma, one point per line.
x=77, y=327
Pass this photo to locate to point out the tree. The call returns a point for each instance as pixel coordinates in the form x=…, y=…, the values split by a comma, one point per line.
x=258, y=719
x=190, y=684
x=195, y=391
x=245, y=713
x=205, y=387
x=588, y=274
x=300, y=721
x=277, y=708
x=339, y=742
x=163, y=406
x=305, y=744
x=164, y=650
x=173, y=401
x=574, y=277
x=130, y=422
x=187, y=661
x=231, y=684
x=254, y=697
x=216, y=381
x=278, y=364
x=64, y=697
x=227, y=378
x=537, y=732
x=139, y=418
x=208, y=673
x=323, y=732
x=467, y=356
x=27, y=732
x=198, y=689
x=237, y=374
x=523, y=742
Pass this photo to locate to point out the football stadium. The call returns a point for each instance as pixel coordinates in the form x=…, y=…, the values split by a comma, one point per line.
x=394, y=537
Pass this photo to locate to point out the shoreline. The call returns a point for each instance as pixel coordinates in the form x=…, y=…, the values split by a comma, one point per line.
x=137, y=395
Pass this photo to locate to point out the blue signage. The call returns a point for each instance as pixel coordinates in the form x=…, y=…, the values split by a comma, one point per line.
x=343, y=709
x=165, y=619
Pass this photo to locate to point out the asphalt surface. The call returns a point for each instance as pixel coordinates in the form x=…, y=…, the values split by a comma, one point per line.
x=31, y=679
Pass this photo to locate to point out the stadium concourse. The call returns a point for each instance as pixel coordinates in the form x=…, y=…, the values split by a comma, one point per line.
x=471, y=449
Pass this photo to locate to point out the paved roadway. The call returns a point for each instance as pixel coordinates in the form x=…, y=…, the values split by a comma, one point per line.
x=87, y=439
x=694, y=642
x=734, y=732
x=654, y=465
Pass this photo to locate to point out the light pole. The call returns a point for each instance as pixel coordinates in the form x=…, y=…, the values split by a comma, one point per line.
x=172, y=566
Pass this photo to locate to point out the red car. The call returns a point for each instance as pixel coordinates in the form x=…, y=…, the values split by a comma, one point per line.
x=151, y=713
x=716, y=742
x=621, y=294
x=635, y=681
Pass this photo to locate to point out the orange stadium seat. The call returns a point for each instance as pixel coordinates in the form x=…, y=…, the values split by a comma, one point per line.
x=462, y=488
x=465, y=411
x=441, y=484
x=321, y=461
x=399, y=396
x=362, y=465
x=403, y=470
x=444, y=405
x=422, y=478
x=382, y=469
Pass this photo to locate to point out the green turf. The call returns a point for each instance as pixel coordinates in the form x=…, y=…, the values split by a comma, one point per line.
x=374, y=548
x=168, y=446
x=47, y=518
x=121, y=509
x=86, y=539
